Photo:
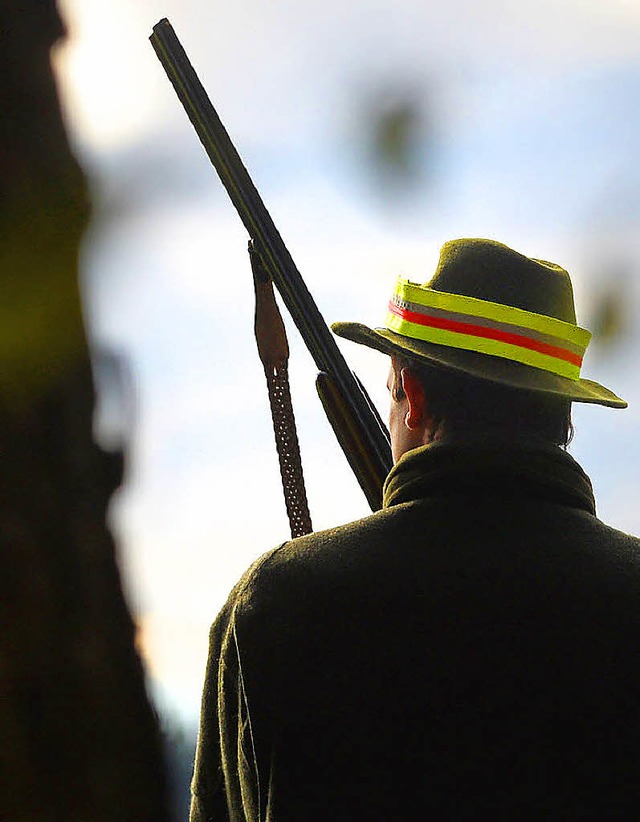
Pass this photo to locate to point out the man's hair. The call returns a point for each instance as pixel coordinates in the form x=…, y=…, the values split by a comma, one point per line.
x=459, y=405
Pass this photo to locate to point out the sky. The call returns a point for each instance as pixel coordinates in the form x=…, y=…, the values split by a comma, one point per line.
x=527, y=119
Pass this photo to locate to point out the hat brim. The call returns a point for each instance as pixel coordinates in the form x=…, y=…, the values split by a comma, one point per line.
x=480, y=366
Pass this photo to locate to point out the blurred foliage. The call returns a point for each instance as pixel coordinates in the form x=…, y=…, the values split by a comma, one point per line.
x=394, y=131
x=611, y=319
x=396, y=126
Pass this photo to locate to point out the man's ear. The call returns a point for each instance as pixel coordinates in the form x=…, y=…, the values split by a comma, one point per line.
x=416, y=416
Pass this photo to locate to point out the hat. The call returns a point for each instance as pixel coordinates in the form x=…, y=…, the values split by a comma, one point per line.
x=493, y=314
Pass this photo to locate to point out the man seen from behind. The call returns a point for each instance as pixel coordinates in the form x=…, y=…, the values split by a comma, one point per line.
x=470, y=650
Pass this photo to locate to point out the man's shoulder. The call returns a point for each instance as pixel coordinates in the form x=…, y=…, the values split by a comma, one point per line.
x=620, y=548
x=432, y=538
x=321, y=559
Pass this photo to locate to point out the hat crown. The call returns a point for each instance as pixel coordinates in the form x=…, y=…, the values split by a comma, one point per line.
x=489, y=270
x=538, y=348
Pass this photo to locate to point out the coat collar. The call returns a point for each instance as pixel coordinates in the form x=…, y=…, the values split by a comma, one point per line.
x=489, y=468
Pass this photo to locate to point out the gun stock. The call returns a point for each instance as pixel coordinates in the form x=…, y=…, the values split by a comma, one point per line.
x=365, y=426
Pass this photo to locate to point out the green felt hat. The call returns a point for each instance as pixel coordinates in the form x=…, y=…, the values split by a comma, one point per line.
x=495, y=315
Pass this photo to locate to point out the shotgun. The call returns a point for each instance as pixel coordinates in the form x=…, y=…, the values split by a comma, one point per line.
x=353, y=417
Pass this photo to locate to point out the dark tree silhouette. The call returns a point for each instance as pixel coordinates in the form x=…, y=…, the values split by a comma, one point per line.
x=79, y=739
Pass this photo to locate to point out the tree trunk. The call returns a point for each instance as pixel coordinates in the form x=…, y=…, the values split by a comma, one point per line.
x=78, y=737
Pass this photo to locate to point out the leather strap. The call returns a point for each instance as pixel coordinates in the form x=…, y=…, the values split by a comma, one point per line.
x=274, y=354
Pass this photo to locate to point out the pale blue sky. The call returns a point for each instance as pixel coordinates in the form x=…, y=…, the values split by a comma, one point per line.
x=534, y=127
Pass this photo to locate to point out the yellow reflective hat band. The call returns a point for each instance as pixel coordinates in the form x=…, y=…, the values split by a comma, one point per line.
x=489, y=328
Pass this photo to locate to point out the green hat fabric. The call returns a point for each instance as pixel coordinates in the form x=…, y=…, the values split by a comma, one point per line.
x=491, y=271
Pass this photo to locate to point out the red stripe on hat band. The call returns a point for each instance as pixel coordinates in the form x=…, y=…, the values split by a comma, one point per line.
x=490, y=333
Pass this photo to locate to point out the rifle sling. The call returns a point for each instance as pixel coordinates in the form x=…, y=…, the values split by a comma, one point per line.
x=273, y=349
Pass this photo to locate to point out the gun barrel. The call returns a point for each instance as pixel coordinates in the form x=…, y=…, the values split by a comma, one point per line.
x=267, y=240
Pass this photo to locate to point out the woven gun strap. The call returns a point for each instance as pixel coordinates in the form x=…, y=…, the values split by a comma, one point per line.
x=274, y=354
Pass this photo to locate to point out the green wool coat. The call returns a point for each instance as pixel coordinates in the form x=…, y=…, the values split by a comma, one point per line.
x=470, y=650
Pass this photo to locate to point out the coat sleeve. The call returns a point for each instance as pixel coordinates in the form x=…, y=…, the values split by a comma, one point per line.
x=225, y=783
x=208, y=796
